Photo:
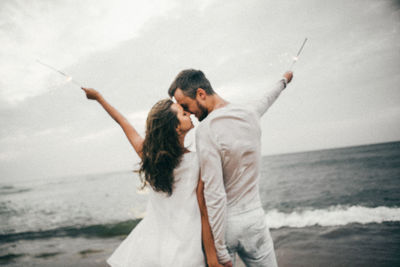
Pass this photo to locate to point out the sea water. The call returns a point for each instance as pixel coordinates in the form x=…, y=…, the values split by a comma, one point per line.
x=336, y=207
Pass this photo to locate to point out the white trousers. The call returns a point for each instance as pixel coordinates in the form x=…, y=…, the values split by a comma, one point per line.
x=247, y=234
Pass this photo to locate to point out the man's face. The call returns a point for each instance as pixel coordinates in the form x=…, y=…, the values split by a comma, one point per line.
x=190, y=105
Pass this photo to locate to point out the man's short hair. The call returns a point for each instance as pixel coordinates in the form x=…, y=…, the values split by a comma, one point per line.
x=189, y=81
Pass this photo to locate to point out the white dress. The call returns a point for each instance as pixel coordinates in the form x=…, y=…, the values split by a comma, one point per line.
x=170, y=233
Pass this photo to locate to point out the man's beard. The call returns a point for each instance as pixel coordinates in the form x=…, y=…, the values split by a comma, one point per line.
x=202, y=110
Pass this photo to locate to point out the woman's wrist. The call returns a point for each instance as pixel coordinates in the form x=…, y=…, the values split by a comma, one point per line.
x=99, y=97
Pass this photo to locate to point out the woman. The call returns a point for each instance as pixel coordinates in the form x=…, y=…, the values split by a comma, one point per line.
x=174, y=227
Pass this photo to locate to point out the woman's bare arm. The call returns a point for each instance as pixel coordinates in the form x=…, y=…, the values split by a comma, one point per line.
x=133, y=136
x=206, y=234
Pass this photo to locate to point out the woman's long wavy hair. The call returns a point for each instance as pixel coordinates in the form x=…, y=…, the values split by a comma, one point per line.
x=161, y=152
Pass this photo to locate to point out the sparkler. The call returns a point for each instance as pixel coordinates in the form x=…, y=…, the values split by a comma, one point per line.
x=298, y=54
x=69, y=78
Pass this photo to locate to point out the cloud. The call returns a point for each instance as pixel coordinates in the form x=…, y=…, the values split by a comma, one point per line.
x=373, y=127
x=61, y=33
x=51, y=131
x=95, y=136
x=19, y=137
x=9, y=156
x=137, y=119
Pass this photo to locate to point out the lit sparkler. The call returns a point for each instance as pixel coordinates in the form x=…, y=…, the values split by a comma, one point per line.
x=69, y=78
x=298, y=54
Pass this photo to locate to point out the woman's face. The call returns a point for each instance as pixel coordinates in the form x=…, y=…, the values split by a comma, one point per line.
x=185, y=122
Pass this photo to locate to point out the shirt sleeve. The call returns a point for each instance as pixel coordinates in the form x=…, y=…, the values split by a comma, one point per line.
x=211, y=172
x=268, y=98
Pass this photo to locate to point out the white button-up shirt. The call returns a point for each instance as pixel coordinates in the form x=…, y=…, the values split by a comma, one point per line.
x=228, y=143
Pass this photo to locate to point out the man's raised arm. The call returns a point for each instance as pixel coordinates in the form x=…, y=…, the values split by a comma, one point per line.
x=269, y=97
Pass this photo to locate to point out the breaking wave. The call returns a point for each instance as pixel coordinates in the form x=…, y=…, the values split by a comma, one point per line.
x=332, y=216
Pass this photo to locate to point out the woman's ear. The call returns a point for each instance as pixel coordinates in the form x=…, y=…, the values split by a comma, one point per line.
x=178, y=130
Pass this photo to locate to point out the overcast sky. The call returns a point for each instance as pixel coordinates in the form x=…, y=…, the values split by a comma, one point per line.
x=345, y=89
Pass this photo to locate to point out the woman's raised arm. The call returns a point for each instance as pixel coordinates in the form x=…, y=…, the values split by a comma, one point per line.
x=133, y=136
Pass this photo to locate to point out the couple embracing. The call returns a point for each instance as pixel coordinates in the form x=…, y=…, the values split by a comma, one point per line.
x=204, y=206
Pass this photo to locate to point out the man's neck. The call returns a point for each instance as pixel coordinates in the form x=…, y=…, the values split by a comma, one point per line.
x=216, y=102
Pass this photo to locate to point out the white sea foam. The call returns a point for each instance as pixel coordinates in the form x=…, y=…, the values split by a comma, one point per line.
x=332, y=216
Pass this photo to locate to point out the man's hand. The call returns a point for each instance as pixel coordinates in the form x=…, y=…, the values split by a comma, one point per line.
x=91, y=93
x=288, y=75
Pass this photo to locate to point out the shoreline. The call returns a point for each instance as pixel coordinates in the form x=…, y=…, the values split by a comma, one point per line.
x=308, y=246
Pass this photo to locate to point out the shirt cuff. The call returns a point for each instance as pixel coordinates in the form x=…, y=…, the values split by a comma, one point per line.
x=225, y=257
x=284, y=80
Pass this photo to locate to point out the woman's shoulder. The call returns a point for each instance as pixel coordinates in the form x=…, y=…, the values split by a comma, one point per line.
x=190, y=153
x=188, y=162
x=189, y=157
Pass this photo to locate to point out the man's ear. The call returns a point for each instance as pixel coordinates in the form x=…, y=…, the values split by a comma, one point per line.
x=201, y=93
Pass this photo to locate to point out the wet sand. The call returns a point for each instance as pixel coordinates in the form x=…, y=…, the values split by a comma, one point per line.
x=352, y=245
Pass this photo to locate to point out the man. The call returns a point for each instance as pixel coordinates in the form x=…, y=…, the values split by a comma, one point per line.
x=228, y=143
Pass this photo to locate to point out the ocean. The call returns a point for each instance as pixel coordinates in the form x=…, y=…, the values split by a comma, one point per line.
x=335, y=207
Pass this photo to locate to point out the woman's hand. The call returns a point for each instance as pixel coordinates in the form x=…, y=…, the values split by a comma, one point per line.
x=91, y=93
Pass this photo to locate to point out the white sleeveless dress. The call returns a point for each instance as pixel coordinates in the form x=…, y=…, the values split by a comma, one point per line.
x=170, y=233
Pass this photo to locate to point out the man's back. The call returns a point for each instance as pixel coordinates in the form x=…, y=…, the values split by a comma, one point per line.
x=235, y=132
